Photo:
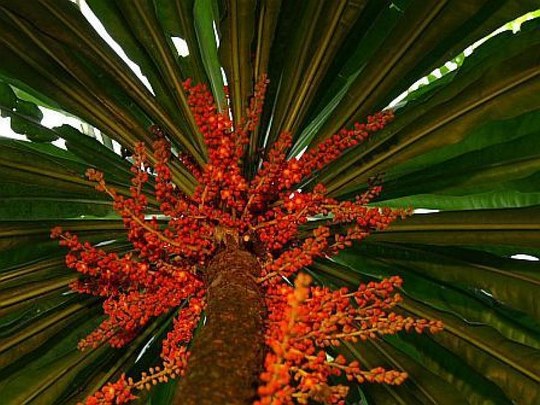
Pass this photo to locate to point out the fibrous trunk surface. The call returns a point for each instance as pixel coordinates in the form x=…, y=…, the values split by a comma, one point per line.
x=227, y=354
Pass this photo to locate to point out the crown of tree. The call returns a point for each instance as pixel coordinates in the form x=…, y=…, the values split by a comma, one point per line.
x=171, y=266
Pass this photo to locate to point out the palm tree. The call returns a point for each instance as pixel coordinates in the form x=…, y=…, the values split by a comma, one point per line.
x=464, y=145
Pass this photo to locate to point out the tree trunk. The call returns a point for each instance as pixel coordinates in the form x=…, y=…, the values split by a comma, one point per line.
x=228, y=353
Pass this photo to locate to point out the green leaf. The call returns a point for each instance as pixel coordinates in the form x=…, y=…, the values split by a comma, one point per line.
x=25, y=116
x=94, y=153
x=59, y=358
x=142, y=14
x=77, y=72
x=489, y=134
x=481, y=347
x=176, y=18
x=475, y=291
x=38, y=207
x=512, y=367
x=494, y=169
x=8, y=99
x=118, y=27
x=238, y=32
x=297, y=59
x=425, y=38
x=463, y=228
x=204, y=18
x=449, y=366
x=48, y=173
x=42, y=329
x=450, y=115
x=488, y=200
x=423, y=386
x=106, y=107
x=347, y=69
x=268, y=16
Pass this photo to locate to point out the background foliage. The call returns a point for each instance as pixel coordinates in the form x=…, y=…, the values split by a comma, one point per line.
x=465, y=142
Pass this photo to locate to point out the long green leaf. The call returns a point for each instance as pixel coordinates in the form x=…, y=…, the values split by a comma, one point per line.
x=491, y=168
x=62, y=20
x=359, y=48
x=237, y=30
x=499, y=279
x=427, y=36
x=176, y=18
x=507, y=86
x=204, y=18
x=150, y=34
x=496, y=227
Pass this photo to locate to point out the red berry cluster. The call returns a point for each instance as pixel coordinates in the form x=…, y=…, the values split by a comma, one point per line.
x=304, y=320
x=118, y=392
x=329, y=150
x=174, y=355
x=135, y=293
x=289, y=227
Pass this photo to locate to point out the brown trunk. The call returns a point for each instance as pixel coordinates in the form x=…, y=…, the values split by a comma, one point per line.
x=227, y=353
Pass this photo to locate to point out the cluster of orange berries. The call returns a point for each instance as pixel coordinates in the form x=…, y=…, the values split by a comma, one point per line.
x=291, y=227
x=174, y=355
x=118, y=392
x=135, y=290
x=330, y=149
x=222, y=177
x=303, y=320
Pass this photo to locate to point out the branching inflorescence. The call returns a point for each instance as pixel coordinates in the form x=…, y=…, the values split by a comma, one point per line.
x=163, y=272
